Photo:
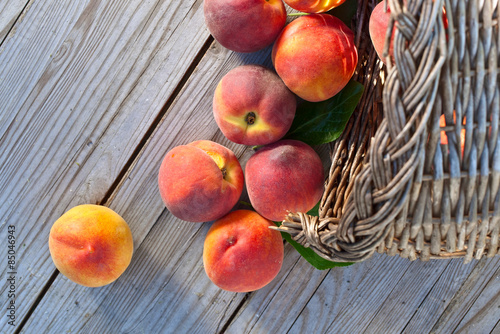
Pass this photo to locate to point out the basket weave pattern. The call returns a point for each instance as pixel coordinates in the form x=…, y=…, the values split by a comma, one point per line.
x=393, y=186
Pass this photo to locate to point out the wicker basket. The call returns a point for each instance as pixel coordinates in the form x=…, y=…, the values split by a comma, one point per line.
x=393, y=187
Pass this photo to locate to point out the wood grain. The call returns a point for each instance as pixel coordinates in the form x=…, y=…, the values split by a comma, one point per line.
x=287, y=308
x=496, y=330
x=89, y=105
x=410, y=292
x=439, y=297
x=81, y=122
x=465, y=298
x=366, y=294
x=484, y=314
x=137, y=200
x=10, y=11
x=25, y=55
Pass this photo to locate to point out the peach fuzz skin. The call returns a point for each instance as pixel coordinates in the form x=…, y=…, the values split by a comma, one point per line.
x=314, y=6
x=252, y=106
x=244, y=25
x=284, y=176
x=377, y=26
x=241, y=253
x=91, y=245
x=200, y=181
x=315, y=56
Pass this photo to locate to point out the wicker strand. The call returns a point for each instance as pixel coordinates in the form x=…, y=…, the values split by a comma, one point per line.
x=394, y=186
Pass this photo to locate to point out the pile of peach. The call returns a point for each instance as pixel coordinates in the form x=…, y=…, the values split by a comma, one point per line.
x=314, y=57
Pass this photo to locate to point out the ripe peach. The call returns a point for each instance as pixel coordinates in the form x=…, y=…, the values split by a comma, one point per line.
x=252, y=106
x=200, y=181
x=244, y=25
x=241, y=253
x=444, y=136
x=314, y=6
x=377, y=26
x=91, y=245
x=315, y=56
x=284, y=176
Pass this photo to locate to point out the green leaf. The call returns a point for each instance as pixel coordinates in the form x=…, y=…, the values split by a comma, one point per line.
x=307, y=253
x=317, y=123
x=345, y=11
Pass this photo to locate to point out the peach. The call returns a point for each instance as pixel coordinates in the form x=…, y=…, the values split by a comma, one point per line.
x=314, y=6
x=244, y=25
x=200, y=181
x=252, y=106
x=315, y=56
x=377, y=26
x=241, y=253
x=444, y=136
x=284, y=176
x=91, y=245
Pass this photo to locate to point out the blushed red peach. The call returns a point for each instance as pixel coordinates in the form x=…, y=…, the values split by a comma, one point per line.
x=315, y=56
x=200, y=181
x=241, y=253
x=284, y=176
x=91, y=245
x=244, y=25
x=252, y=105
x=377, y=26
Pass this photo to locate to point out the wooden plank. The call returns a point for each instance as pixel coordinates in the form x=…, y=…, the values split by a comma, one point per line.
x=484, y=314
x=83, y=120
x=496, y=330
x=466, y=297
x=352, y=310
x=164, y=290
x=31, y=47
x=278, y=311
x=438, y=299
x=10, y=11
x=412, y=290
x=138, y=201
x=309, y=301
x=299, y=281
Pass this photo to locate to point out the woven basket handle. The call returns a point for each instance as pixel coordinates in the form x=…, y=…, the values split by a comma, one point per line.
x=385, y=188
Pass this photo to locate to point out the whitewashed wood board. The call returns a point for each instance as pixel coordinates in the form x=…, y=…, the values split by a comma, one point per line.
x=83, y=119
x=474, y=307
x=137, y=200
x=115, y=69
x=10, y=12
x=438, y=299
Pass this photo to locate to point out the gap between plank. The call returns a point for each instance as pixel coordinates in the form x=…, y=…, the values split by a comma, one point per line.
x=156, y=122
x=453, y=300
x=21, y=13
x=37, y=301
x=235, y=312
x=247, y=296
x=130, y=162
x=425, y=298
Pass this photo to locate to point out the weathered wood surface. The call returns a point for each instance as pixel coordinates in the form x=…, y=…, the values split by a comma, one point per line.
x=89, y=104
x=10, y=13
